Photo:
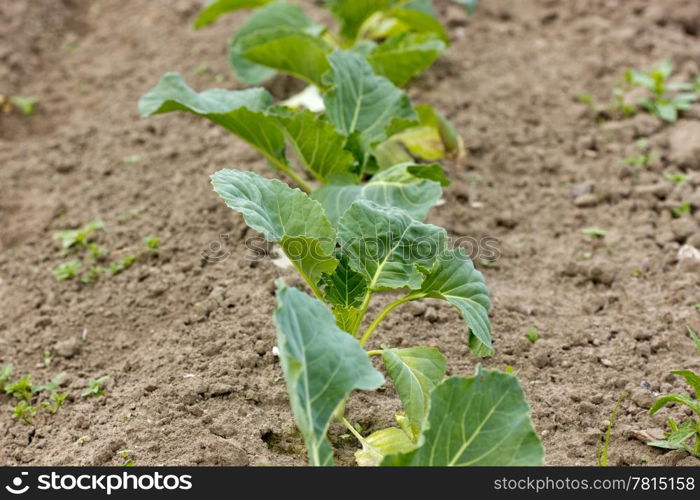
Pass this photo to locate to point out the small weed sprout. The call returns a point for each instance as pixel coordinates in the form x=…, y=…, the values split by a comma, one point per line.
x=29, y=395
x=681, y=210
x=684, y=435
x=594, y=232
x=46, y=357
x=677, y=179
x=83, y=439
x=122, y=264
x=151, y=242
x=131, y=159
x=67, y=270
x=532, y=335
x=694, y=335
x=72, y=238
x=127, y=457
x=666, y=99
x=25, y=104
x=95, y=387
x=603, y=444
x=24, y=412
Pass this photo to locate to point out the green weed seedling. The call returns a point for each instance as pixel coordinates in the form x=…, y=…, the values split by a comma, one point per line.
x=681, y=210
x=22, y=388
x=122, y=264
x=131, y=159
x=83, y=439
x=641, y=159
x=677, y=179
x=5, y=375
x=532, y=335
x=24, y=412
x=603, y=444
x=73, y=238
x=95, y=387
x=684, y=435
x=25, y=104
x=76, y=240
x=594, y=232
x=368, y=126
x=55, y=402
x=366, y=250
x=151, y=242
x=127, y=458
x=29, y=396
x=666, y=99
x=694, y=335
x=67, y=270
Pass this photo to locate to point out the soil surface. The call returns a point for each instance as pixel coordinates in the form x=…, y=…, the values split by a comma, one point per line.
x=186, y=334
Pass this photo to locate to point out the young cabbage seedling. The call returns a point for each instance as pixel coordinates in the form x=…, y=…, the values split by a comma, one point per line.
x=686, y=435
x=666, y=98
x=369, y=249
x=399, y=38
x=368, y=126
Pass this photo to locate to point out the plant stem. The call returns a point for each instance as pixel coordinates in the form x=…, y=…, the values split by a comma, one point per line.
x=297, y=178
x=363, y=310
x=354, y=432
x=373, y=326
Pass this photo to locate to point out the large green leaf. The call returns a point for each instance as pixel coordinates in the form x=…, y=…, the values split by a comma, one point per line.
x=386, y=245
x=322, y=365
x=382, y=443
x=402, y=57
x=410, y=187
x=241, y=112
x=283, y=215
x=682, y=399
x=320, y=148
x=216, y=8
x=287, y=49
x=361, y=101
x=345, y=287
x=453, y=278
x=433, y=139
x=691, y=378
x=415, y=372
x=276, y=15
x=481, y=420
x=351, y=14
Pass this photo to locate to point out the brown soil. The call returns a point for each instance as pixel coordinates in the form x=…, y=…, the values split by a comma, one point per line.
x=187, y=341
